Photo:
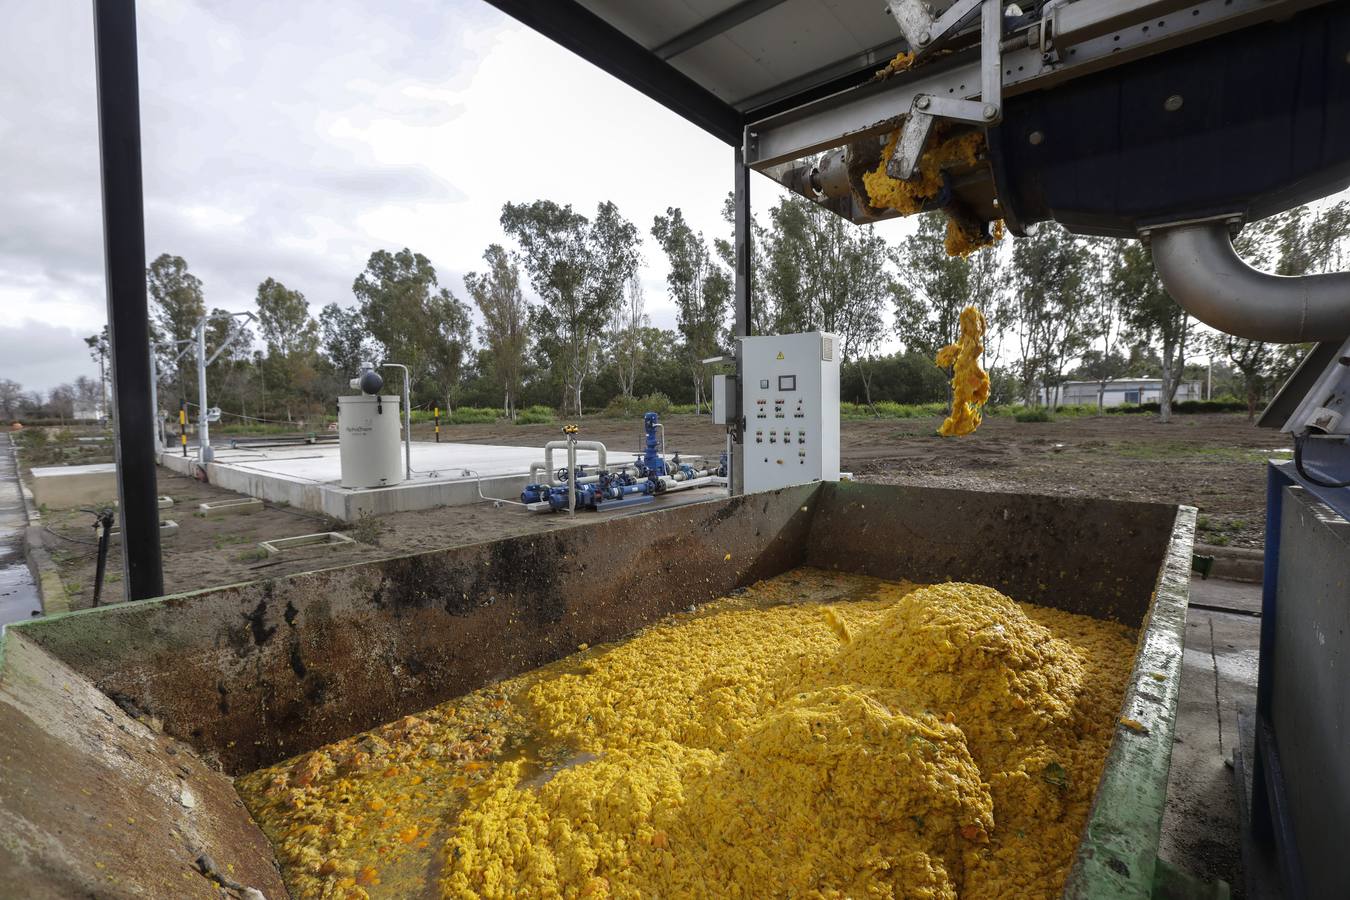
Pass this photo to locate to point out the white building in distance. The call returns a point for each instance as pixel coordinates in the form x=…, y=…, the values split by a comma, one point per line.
x=1118, y=391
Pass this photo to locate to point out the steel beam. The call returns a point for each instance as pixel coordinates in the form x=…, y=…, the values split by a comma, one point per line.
x=877, y=107
x=710, y=28
x=119, y=132
x=571, y=25
x=744, y=248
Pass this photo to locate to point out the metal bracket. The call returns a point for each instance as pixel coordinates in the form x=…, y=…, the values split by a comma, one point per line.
x=988, y=110
x=924, y=31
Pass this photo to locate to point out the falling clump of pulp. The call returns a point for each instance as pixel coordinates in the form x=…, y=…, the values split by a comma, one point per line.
x=891, y=741
x=970, y=383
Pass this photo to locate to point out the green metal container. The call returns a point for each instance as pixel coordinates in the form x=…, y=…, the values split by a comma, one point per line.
x=120, y=727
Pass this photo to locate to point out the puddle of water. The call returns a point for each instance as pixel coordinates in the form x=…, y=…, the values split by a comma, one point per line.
x=18, y=592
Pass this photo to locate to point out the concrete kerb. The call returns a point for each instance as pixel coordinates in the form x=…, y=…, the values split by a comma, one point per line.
x=323, y=540
x=1234, y=563
x=51, y=589
x=219, y=508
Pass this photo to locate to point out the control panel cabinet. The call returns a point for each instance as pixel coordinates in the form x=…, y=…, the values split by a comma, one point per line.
x=791, y=403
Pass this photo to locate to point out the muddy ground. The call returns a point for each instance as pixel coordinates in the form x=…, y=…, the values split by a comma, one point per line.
x=1214, y=462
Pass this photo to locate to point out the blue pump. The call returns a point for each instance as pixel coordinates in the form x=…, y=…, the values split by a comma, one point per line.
x=623, y=488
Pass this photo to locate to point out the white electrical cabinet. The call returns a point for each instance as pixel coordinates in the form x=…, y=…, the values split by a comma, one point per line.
x=790, y=396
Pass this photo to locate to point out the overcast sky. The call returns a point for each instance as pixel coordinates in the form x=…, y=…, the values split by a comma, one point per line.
x=292, y=139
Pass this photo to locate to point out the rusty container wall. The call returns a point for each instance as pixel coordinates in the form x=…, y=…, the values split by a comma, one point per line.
x=249, y=674
x=253, y=673
x=1095, y=557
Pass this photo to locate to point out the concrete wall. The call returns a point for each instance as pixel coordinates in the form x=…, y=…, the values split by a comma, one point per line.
x=343, y=504
x=94, y=803
x=245, y=675
x=1096, y=557
x=67, y=487
x=254, y=673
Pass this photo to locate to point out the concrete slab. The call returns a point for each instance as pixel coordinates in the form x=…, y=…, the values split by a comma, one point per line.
x=1220, y=595
x=1201, y=831
x=65, y=487
x=307, y=477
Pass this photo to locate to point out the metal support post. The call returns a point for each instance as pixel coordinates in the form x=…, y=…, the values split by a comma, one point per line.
x=119, y=132
x=572, y=474
x=570, y=433
x=436, y=416
x=154, y=402
x=203, y=427
x=407, y=418
x=182, y=425
x=743, y=274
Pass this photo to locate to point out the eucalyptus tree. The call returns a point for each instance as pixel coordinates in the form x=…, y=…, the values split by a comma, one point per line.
x=505, y=312
x=700, y=289
x=578, y=267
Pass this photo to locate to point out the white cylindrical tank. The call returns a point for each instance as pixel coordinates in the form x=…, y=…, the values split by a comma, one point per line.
x=368, y=441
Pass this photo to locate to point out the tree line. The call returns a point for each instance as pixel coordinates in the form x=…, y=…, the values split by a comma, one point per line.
x=564, y=321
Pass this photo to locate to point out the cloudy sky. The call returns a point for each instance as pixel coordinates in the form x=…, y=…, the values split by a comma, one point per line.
x=290, y=140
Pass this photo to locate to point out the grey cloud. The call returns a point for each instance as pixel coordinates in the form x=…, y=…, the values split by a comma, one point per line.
x=238, y=106
x=391, y=183
x=41, y=356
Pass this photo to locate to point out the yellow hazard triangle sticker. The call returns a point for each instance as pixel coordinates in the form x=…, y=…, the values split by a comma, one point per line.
x=780, y=354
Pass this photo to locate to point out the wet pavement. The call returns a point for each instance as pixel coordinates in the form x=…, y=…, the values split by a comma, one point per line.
x=18, y=592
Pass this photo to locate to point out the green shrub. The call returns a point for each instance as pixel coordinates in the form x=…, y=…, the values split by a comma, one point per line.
x=1076, y=410
x=622, y=407
x=886, y=409
x=1034, y=414
x=635, y=407
x=1226, y=404
x=535, y=415
x=656, y=402
x=472, y=415
x=686, y=409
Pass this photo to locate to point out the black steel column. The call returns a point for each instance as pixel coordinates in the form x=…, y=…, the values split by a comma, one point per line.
x=743, y=274
x=119, y=133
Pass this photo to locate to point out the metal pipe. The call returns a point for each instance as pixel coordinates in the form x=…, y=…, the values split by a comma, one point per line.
x=598, y=447
x=571, y=476
x=1203, y=273
x=685, y=485
x=540, y=474
x=204, y=453
x=731, y=492
x=154, y=401
x=407, y=418
x=478, y=483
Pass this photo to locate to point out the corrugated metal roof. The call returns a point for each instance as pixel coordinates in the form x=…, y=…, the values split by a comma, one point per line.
x=751, y=53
